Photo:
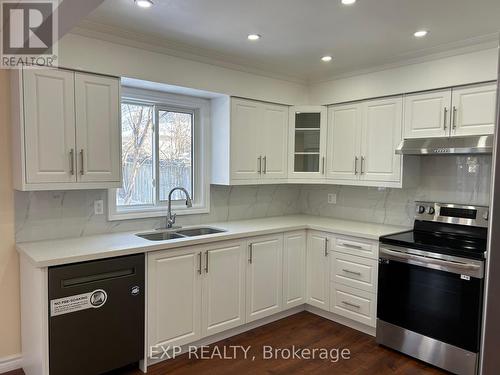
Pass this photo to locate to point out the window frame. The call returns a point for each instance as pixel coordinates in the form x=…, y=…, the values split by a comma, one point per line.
x=200, y=109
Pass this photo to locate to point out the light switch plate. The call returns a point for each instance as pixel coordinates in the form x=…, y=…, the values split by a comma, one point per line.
x=332, y=198
x=99, y=207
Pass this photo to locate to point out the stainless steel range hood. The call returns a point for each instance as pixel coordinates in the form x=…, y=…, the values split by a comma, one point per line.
x=482, y=144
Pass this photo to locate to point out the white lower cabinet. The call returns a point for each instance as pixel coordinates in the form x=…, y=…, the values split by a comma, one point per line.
x=264, y=277
x=294, y=269
x=195, y=292
x=174, y=297
x=318, y=266
x=354, y=304
x=353, y=277
x=223, y=297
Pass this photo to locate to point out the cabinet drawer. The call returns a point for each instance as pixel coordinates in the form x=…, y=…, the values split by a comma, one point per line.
x=347, y=245
x=354, y=304
x=354, y=271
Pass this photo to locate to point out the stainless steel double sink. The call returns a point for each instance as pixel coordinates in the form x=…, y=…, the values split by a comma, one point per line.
x=172, y=234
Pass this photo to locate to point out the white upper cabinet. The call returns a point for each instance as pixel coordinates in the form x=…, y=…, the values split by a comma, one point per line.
x=273, y=141
x=307, y=142
x=49, y=126
x=460, y=111
x=245, y=157
x=428, y=114
x=474, y=110
x=362, y=140
x=249, y=142
x=97, y=128
x=381, y=135
x=66, y=130
x=344, y=132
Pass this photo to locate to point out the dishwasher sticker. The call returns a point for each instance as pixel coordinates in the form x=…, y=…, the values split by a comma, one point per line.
x=66, y=305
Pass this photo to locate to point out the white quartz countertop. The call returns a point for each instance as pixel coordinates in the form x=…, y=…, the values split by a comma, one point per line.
x=71, y=250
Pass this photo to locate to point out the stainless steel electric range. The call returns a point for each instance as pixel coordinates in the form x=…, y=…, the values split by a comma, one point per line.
x=430, y=286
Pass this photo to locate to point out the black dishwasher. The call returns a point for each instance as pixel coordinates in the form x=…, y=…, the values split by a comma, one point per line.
x=96, y=315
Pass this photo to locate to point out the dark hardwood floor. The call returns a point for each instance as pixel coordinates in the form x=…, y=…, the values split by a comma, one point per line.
x=304, y=330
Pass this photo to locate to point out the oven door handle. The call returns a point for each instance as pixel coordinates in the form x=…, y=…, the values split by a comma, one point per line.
x=470, y=269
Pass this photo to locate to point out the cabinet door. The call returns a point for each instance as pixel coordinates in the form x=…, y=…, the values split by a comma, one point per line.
x=174, y=297
x=343, y=146
x=294, y=269
x=97, y=128
x=380, y=136
x=223, y=287
x=318, y=268
x=245, y=157
x=307, y=142
x=474, y=110
x=49, y=125
x=273, y=141
x=264, y=277
x=428, y=114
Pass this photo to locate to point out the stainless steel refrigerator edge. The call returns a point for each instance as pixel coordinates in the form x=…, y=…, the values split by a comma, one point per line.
x=490, y=361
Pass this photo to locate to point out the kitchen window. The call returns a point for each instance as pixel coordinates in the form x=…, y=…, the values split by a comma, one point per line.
x=164, y=145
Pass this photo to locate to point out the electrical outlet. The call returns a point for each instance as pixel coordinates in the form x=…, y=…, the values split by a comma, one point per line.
x=332, y=198
x=99, y=207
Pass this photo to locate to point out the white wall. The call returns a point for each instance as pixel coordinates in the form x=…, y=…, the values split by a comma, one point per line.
x=456, y=70
x=79, y=52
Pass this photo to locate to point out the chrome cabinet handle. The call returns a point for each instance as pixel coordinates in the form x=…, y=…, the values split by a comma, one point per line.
x=326, y=247
x=323, y=165
x=260, y=164
x=454, y=120
x=82, y=169
x=206, y=262
x=265, y=164
x=351, y=304
x=72, y=162
x=199, y=263
x=351, y=272
x=357, y=247
x=250, y=258
x=355, y=165
x=445, y=118
x=362, y=164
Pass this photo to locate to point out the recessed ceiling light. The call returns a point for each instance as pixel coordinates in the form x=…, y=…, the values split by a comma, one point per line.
x=326, y=58
x=144, y=3
x=253, y=37
x=420, y=33
x=348, y=2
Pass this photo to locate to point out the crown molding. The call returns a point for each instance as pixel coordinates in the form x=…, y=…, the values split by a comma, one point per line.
x=481, y=43
x=165, y=46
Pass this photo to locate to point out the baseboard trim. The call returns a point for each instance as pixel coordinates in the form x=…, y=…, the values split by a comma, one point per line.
x=10, y=363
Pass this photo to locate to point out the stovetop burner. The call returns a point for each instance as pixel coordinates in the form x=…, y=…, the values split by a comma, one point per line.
x=446, y=229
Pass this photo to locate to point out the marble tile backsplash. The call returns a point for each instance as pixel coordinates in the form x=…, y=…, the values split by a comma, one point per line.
x=461, y=179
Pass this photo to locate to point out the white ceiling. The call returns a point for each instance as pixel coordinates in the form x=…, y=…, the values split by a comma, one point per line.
x=296, y=33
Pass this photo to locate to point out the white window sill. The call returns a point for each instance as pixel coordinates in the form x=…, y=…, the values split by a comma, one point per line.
x=152, y=212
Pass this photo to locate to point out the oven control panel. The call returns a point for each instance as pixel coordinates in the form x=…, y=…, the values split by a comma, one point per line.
x=477, y=216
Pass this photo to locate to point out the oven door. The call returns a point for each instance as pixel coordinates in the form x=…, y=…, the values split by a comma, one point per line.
x=433, y=295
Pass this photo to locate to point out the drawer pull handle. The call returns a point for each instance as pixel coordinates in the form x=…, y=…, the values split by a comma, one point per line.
x=199, y=263
x=351, y=272
x=357, y=247
x=250, y=259
x=326, y=247
x=351, y=304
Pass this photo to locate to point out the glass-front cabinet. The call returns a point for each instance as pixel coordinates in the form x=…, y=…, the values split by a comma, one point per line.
x=307, y=142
